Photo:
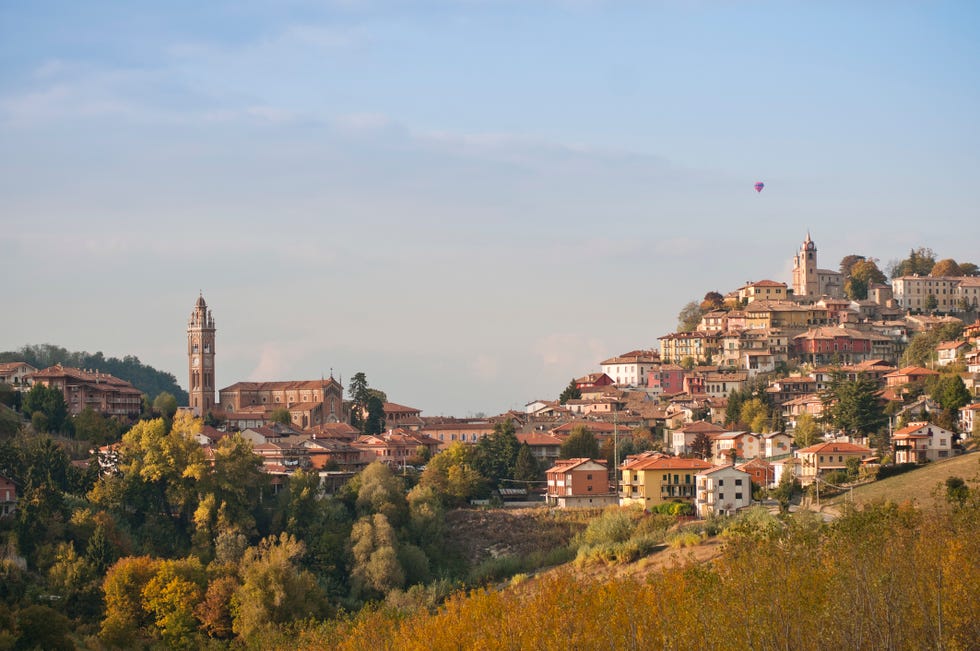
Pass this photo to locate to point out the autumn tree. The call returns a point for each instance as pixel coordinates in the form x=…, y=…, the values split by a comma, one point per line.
x=946, y=267
x=274, y=589
x=381, y=491
x=374, y=547
x=701, y=446
x=689, y=317
x=452, y=474
x=806, y=432
x=712, y=301
x=165, y=404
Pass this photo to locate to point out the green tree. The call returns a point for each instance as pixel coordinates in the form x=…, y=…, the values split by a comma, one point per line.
x=920, y=261
x=357, y=389
x=374, y=547
x=571, y=392
x=90, y=425
x=374, y=422
x=382, y=492
x=496, y=453
x=49, y=402
x=165, y=404
x=581, y=443
x=847, y=263
x=526, y=467
x=689, y=317
x=453, y=476
x=969, y=269
x=755, y=414
x=281, y=415
x=931, y=302
x=853, y=405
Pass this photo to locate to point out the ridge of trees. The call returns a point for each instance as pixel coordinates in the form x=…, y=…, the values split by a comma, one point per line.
x=147, y=379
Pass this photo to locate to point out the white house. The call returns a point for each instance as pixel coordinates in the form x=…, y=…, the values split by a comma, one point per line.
x=722, y=490
x=921, y=441
x=631, y=369
x=777, y=444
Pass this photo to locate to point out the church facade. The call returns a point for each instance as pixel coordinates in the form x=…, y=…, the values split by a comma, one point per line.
x=811, y=282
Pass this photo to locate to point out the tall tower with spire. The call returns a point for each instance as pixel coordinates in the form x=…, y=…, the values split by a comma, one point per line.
x=200, y=358
x=805, y=279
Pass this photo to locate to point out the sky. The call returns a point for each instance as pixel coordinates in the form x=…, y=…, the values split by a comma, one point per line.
x=470, y=201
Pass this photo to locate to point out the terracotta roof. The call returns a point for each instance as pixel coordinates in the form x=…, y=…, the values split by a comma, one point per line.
x=835, y=447
x=280, y=385
x=667, y=463
x=912, y=371
x=701, y=426
x=564, y=465
x=538, y=439
x=392, y=407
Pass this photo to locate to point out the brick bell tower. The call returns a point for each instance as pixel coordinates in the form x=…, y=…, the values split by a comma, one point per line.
x=200, y=358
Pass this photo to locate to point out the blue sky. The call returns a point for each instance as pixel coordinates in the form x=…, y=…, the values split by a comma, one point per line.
x=470, y=201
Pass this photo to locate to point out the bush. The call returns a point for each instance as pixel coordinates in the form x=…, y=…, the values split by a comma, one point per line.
x=683, y=539
x=616, y=524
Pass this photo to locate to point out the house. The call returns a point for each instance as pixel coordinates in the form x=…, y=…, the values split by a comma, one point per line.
x=98, y=391
x=720, y=385
x=764, y=290
x=631, y=369
x=680, y=439
x=668, y=379
x=822, y=458
x=8, y=497
x=401, y=416
x=324, y=451
x=396, y=447
x=948, y=352
x=16, y=373
x=762, y=472
x=745, y=445
x=652, y=480
x=776, y=444
x=594, y=380
x=922, y=441
x=699, y=346
x=908, y=375
x=722, y=490
x=465, y=431
x=832, y=343
x=579, y=483
x=969, y=417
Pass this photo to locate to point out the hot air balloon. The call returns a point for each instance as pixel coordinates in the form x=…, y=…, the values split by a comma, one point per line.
x=759, y=186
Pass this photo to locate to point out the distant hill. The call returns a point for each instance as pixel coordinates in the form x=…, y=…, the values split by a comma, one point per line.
x=145, y=378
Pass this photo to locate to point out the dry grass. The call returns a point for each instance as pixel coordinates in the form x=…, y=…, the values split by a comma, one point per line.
x=919, y=486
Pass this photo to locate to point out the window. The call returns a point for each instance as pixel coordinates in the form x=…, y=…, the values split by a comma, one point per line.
x=721, y=482
x=738, y=482
x=738, y=496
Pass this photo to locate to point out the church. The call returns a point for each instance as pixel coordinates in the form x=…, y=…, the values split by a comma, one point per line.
x=810, y=282
x=309, y=402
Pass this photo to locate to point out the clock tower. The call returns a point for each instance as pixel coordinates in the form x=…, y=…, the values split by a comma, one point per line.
x=200, y=358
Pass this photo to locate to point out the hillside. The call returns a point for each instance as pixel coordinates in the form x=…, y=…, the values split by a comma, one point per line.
x=919, y=486
x=145, y=378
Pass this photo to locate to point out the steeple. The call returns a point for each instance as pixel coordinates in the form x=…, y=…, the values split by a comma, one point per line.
x=200, y=358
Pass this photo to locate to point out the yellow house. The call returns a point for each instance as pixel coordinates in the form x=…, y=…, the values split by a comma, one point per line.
x=822, y=458
x=650, y=480
x=764, y=290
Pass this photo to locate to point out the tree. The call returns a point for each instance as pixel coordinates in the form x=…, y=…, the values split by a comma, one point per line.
x=165, y=404
x=847, y=263
x=755, y=414
x=712, y=301
x=526, y=467
x=920, y=261
x=931, y=302
x=946, y=267
x=374, y=422
x=453, y=476
x=171, y=595
x=806, y=432
x=125, y=618
x=853, y=405
x=375, y=550
x=274, y=590
x=571, y=392
x=689, y=317
x=382, y=492
x=581, y=443
x=863, y=273
x=496, y=453
x=922, y=346
x=49, y=402
x=357, y=389
x=90, y=425
x=701, y=446
x=969, y=269
x=281, y=415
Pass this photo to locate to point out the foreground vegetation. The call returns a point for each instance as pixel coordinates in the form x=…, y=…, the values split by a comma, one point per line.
x=885, y=576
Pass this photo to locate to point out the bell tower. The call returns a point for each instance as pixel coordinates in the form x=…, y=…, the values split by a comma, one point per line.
x=805, y=281
x=200, y=358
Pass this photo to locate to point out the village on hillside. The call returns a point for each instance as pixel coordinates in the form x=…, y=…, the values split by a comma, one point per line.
x=762, y=385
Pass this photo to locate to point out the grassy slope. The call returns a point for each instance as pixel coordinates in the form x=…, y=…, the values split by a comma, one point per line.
x=918, y=485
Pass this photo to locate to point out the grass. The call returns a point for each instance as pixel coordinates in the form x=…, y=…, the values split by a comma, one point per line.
x=918, y=485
